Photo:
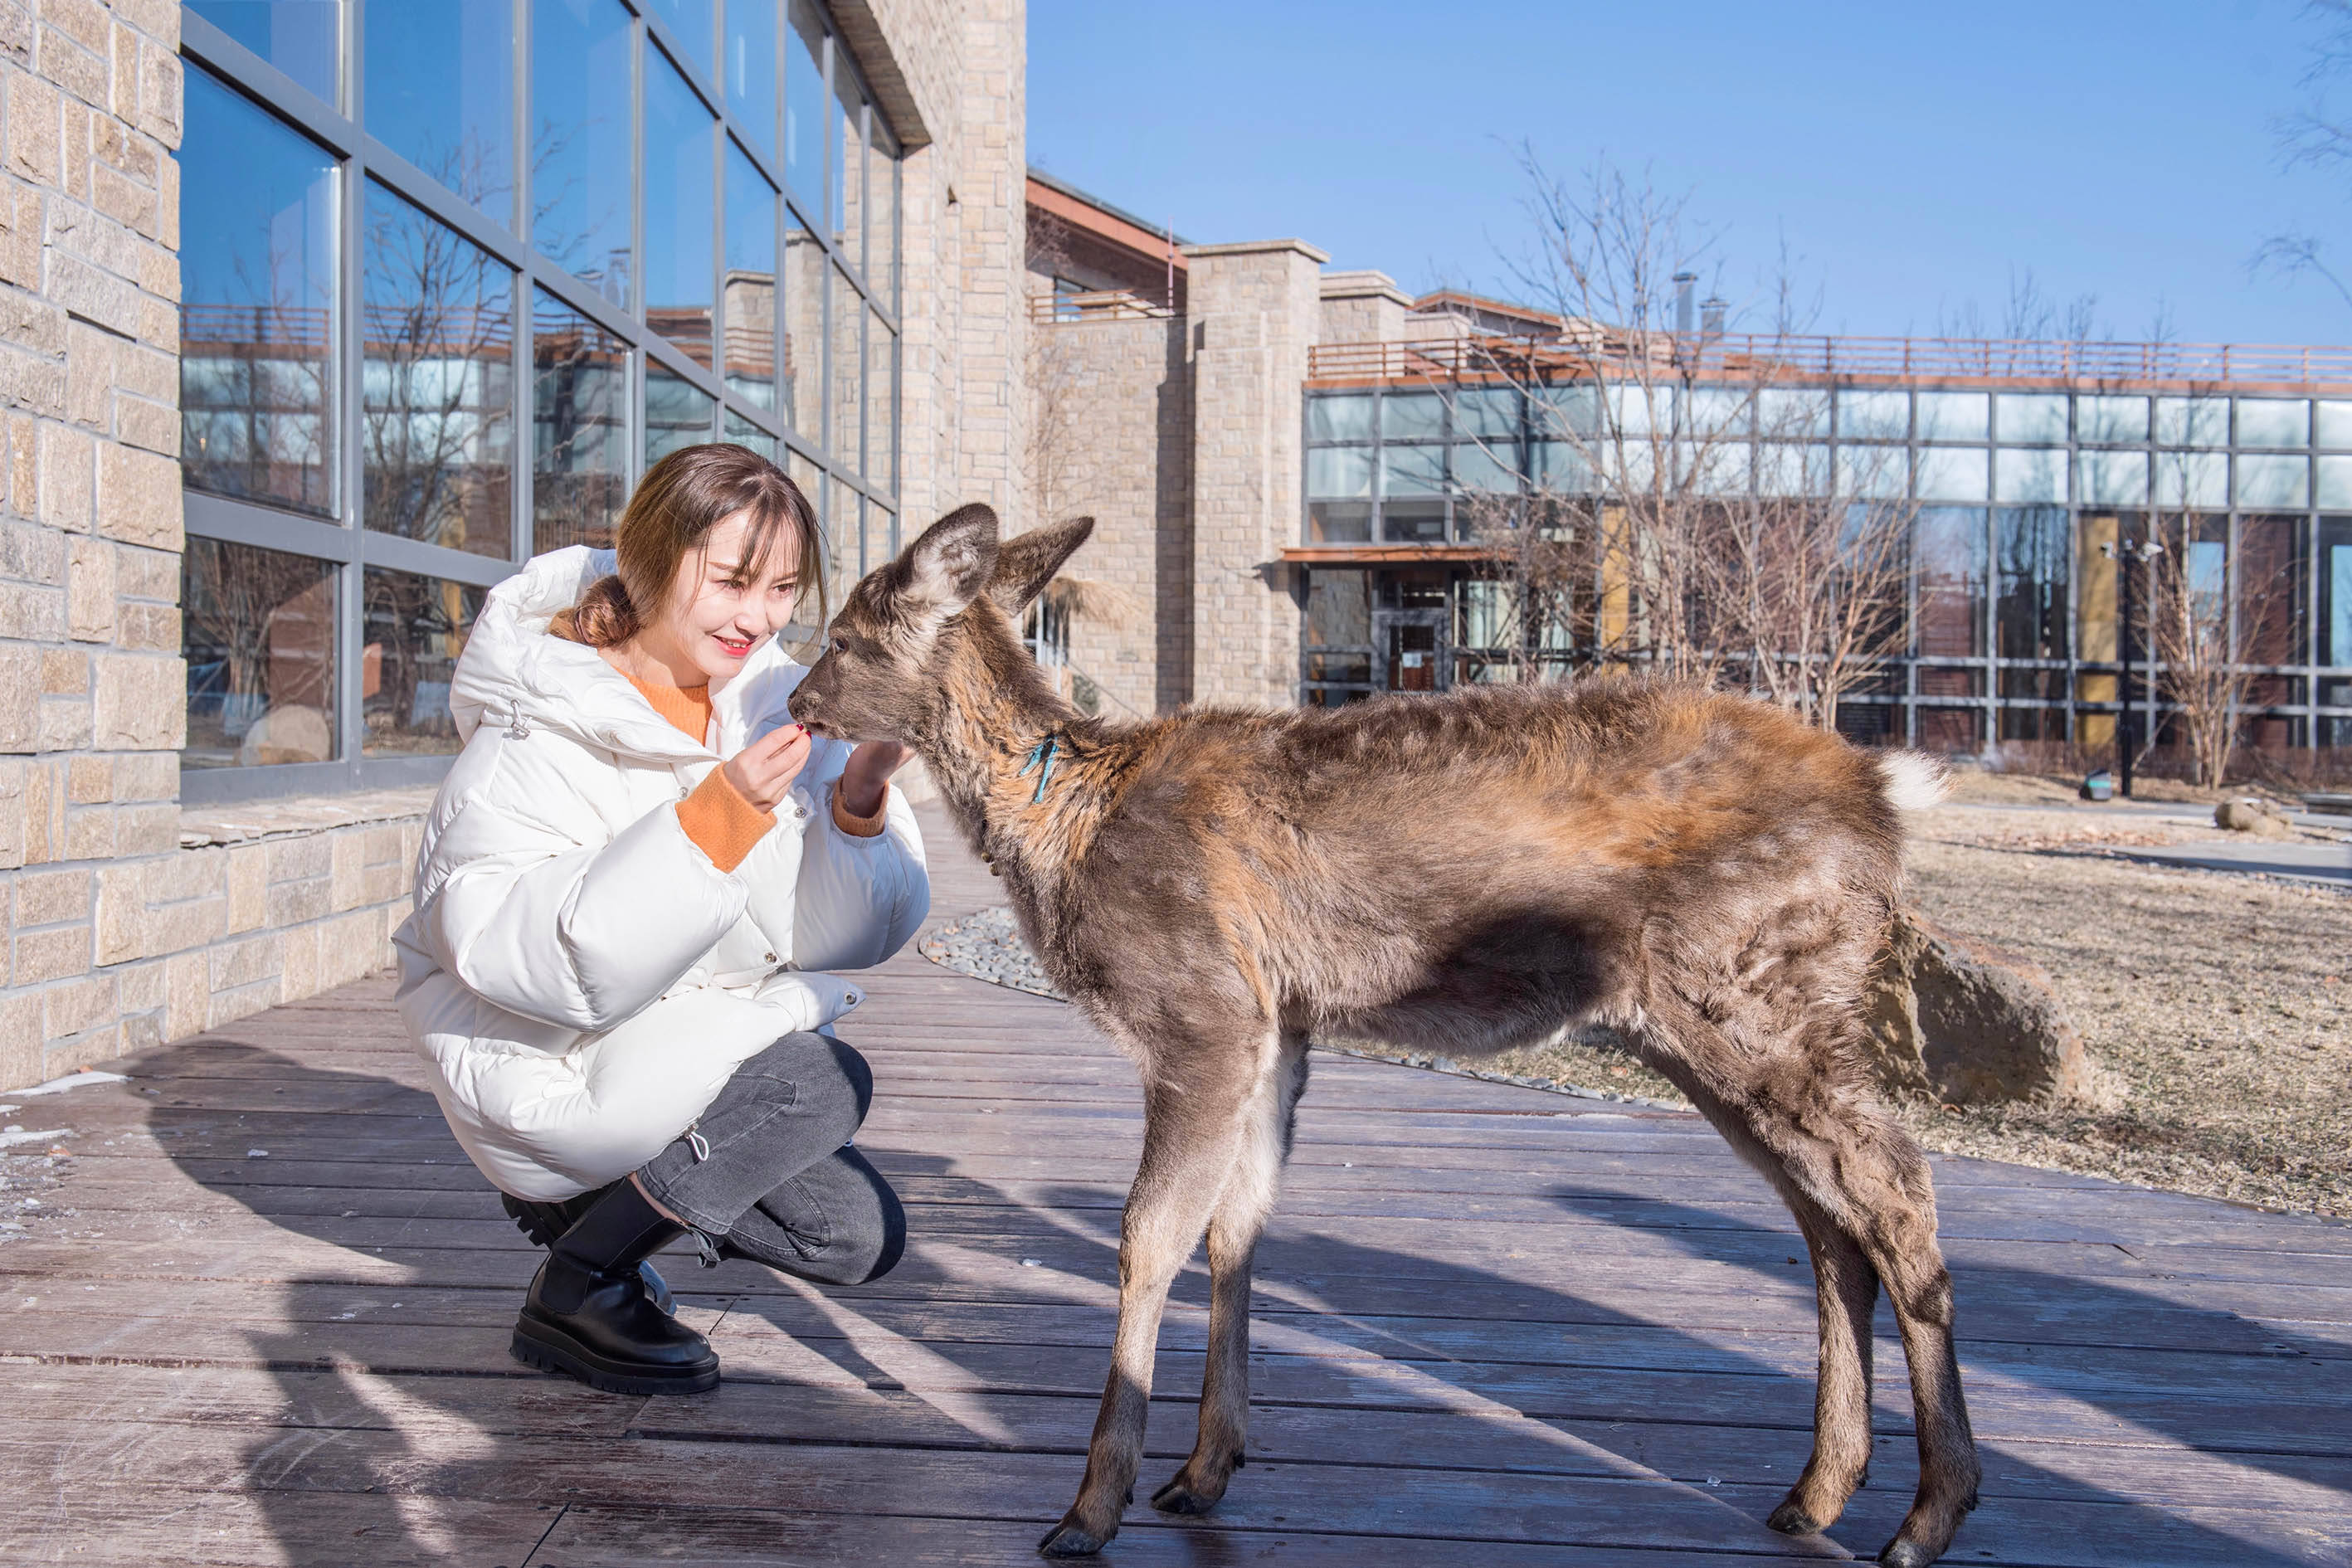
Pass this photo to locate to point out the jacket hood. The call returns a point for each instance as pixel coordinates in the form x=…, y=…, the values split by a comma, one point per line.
x=515, y=672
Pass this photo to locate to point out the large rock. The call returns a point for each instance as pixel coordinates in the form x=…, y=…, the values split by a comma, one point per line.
x=2259, y=818
x=1969, y=1023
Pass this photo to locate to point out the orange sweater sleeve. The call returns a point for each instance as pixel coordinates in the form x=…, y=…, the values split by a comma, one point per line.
x=861, y=827
x=722, y=824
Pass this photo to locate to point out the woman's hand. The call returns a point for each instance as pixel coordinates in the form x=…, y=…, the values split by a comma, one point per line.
x=870, y=767
x=764, y=771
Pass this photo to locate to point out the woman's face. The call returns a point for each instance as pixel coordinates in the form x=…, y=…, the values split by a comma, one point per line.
x=717, y=615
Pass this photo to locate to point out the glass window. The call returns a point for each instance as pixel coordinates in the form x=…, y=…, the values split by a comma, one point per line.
x=1563, y=411
x=2029, y=615
x=678, y=209
x=842, y=365
x=2335, y=481
x=440, y=92
x=843, y=543
x=2274, y=421
x=1950, y=542
x=804, y=274
x=1873, y=415
x=1344, y=417
x=691, y=23
x=1715, y=411
x=414, y=629
x=301, y=38
x=2192, y=421
x=848, y=168
x=1489, y=466
x=1411, y=416
x=1412, y=470
x=1489, y=412
x=1786, y=469
x=2028, y=476
x=678, y=413
x=2112, y=479
x=1413, y=521
x=2272, y=482
x=578, y=425
x=2331, y=425
x=1792, y=415
x=2335, y=596
x=743, y=433
x=1561, y=467
x=1950, y=473
x=580, y=145
x=750, y=301
x=437, y=389
x=258, y=631
x=257, y=304
x=881, y=462
x=804, y=102
x=2192, y=480
x=2104, y=418
x=1874, y=473
x=1339, y=521
x=752, y=69
x=1952, y=416
x=1638, y=410
x=1339, y=610
x=2032, y=417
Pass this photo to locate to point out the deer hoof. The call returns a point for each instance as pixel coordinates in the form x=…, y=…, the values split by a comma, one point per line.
x=1178, y=1497
x=1071, y=1539
x=1791, y=1520
x=1901, y=1553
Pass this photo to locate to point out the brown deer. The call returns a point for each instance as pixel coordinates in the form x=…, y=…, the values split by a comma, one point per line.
x=1464, y=874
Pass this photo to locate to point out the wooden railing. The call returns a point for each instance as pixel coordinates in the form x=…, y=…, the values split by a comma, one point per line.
x=1753, y=355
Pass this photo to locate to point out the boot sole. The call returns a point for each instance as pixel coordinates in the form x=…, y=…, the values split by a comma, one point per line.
x=536, y=1345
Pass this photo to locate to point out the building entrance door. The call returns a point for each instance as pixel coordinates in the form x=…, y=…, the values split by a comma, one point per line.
x=1415, y=652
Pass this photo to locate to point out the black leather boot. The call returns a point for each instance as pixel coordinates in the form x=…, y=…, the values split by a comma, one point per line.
x=588, y=1316
x=543, y=1223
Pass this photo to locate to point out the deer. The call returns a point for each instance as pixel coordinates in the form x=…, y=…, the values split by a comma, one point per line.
x=1458, y=873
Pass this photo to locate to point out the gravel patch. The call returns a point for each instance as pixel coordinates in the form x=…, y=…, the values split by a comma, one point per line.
x=988, y=946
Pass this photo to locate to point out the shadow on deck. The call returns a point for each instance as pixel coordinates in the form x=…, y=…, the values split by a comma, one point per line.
x=264, y=1320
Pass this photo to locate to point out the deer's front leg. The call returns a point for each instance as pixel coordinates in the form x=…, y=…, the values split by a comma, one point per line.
x=1188, y=1152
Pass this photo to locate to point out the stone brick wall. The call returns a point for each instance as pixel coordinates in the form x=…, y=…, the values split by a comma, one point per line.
x=1363, y=307
x=1111, y=437
x=1255, y=310
x=90, y=680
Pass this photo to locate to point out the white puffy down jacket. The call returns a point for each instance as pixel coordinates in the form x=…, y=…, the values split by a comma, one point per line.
x=582, y=977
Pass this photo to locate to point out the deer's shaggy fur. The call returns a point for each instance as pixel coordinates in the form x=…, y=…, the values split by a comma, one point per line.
x=1462, y=873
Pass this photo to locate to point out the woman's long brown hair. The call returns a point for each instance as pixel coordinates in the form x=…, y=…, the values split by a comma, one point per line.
x=681, y=498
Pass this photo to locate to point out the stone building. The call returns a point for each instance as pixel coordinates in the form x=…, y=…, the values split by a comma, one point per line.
x=262, y=465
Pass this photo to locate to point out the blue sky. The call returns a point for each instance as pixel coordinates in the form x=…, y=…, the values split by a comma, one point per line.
x=1913, y=158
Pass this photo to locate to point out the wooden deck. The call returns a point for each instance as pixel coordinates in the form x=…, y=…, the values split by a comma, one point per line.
x=1564, y=1332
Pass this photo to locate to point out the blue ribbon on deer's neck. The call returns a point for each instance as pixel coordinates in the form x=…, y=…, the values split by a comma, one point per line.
x=1041, y=756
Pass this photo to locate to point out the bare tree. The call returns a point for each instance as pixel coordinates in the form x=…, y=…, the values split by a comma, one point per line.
x=2314, y=135
x=2208, y=617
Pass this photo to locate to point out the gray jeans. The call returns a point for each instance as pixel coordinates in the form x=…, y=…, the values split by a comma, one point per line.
x=767, y=1171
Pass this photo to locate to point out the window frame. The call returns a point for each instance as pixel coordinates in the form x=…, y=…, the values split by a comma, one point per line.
x=361, y=159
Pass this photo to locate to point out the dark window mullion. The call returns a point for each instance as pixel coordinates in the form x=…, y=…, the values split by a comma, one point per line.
x=256, y=78
x=352, y=436
x=525, y=444
x=398, y=552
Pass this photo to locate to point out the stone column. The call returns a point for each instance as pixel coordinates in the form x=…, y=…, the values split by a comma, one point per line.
x=1255, y=309
x=92, y=703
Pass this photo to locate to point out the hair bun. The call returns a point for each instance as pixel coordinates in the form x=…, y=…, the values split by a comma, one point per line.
x=604, y=617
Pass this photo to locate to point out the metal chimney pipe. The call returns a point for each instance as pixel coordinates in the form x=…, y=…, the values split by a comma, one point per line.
x=1684, y=282
x=1711, y=312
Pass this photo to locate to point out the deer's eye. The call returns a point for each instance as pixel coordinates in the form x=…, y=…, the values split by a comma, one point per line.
x=841, y=648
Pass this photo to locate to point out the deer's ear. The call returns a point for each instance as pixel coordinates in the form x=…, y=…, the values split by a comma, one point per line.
x=949, y=566
x=1026, y=565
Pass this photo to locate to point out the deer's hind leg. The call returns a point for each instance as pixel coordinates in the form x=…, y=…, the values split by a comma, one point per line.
x=1234, y=1226
x=1858, y=1180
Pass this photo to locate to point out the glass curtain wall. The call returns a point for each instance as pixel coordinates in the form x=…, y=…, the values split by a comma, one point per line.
x=2020, y=497
x=454, y=272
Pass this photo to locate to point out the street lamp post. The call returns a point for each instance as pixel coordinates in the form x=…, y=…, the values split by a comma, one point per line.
x=2126, y=554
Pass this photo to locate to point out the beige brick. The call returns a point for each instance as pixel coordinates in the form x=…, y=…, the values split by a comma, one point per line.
x=291, y=903
x=20, y=1040
x=141, y=702
x=65, y=672
x=20, y=698
x=33, y=110
x=236, y=964
x=188, y=874
x=67, y=495
x=44, y=955
x=147, y=829
x=228, y=1006
x=52, y=898
x=120, y=927
x=89, y=780
x=300, y=858
x=150, y=574
x=155, y=425
x=138, y=496
x=89, y=833
x=248, y=886
x=147, y=776
x=12, y=813
x=90, y=591
x=45, y=813
x=20, y=236
x=79, y=1004
x=187, y=995
x=349, y=850
x=350, y=946
x=151, y=628
x=298, y=975
x=185, y=927
x=139, y=988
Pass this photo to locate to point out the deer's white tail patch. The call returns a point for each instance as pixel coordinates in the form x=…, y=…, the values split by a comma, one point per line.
x=1914, y=781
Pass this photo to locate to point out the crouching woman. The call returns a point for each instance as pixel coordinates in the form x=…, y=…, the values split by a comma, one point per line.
x=629, y=888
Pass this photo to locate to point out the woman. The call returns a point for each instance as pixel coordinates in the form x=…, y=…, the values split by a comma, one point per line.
x=628, y=886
